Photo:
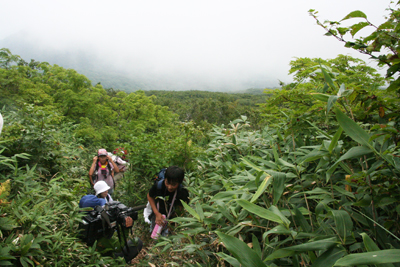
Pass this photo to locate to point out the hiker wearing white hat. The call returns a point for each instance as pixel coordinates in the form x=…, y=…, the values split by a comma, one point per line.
x=100, y=199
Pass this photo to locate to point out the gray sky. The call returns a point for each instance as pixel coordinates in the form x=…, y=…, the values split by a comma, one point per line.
x=234, y=43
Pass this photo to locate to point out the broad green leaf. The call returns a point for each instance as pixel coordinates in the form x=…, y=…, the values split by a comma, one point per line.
x=301, y=221
x=354, y=152
x=352, y=129
x=278, y=185
x=285, y=163
x=321, y=97
x=335, y=140
x=356, y=27
x=394, y=85
x=329, y=257
x=252, y=165
x=314, y=155
x=328, y=79
x=225, y=212
x=344, y=224
x=355, y=14
x=241, y=251
x=343, y=192
x=332, y=100
x=371, y=246
x=319, y=130
x=375, y=257
x=368, y=243
x=280, y=253
x=183, y=219
x=263, y=213
x=190, y=210
x=342, y=88
x=279, y=230
x=263, y=186
x=275, y=210
x=231, y=260
x=315, y=245
x=161, y=244
x=227, y=195
x=256, y=245
x=199, y=211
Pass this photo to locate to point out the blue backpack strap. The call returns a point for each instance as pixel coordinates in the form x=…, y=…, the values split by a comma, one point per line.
x=160, y=178
x=159, y=184
x=161, y=174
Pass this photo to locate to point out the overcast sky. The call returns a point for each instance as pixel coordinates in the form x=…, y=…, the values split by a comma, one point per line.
x=233, y=42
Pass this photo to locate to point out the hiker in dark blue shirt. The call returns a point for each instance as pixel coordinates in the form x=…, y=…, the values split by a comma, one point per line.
x=100, y=199
x=166, y=195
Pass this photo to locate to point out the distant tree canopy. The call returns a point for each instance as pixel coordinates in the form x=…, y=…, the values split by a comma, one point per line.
x=207, y=108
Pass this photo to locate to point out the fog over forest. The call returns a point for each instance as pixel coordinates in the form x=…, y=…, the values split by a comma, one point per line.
x=211, y=46
x=100, y=68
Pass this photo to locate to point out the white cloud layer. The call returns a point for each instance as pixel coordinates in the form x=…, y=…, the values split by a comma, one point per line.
x=233, y=42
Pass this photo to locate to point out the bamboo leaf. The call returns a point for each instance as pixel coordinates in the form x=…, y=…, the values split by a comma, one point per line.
x=332, y=100
x=280, y=253
x=343, y=192
x=321, y=97
x=315, y=245
x=245, y=255
x=256, y=246
x=371, y=246
x=263, y=213
x=278, y=183
x=354, y=152
x=375, y=257
x=232, y=261
x=190, y=210
x=199, y=211
x=353, y=129
x=335, y=140
x=263, y=186
x=344, y=224
x=328, y=79
x=329, y=257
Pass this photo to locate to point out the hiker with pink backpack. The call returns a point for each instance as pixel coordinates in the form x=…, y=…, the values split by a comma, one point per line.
x=102, y=169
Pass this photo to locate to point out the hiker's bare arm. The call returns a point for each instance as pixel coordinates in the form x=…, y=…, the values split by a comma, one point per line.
x=113, y=163
x=92, y=168
x=159, y=217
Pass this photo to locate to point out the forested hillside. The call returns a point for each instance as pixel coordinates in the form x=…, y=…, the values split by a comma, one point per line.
x=208, y=108
x=305, y=175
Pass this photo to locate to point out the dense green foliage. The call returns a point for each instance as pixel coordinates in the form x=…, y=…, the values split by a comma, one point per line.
x=318, y=187
x=208, y=108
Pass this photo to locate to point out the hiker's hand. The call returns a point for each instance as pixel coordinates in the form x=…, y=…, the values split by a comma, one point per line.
x=109, y=158
x=128, y=221
x=160, y=219
x=95, y=159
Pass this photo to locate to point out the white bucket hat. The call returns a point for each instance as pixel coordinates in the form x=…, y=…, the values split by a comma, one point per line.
x=101, y=187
